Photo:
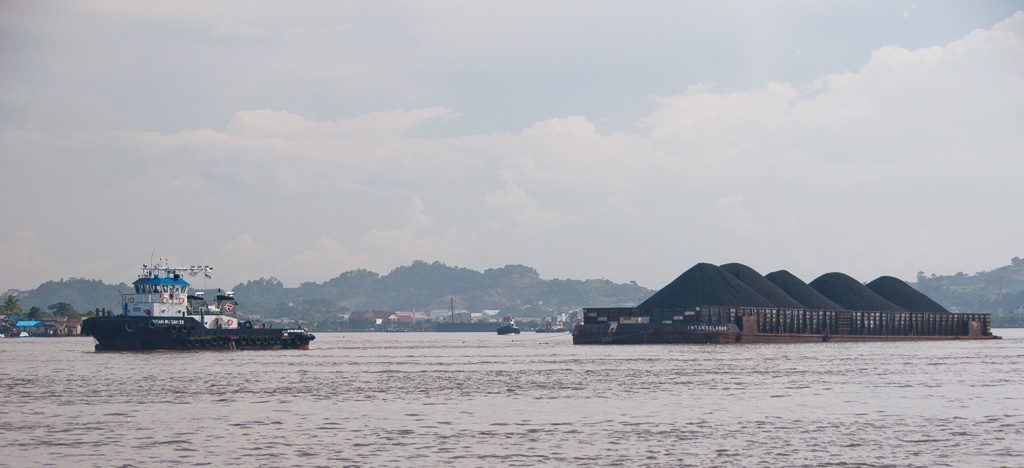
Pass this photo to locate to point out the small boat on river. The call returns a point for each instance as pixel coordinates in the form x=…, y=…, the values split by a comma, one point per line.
x=508, y=326
x=161, y=314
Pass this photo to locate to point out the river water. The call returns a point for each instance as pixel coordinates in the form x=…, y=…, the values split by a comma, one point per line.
x=476, y=399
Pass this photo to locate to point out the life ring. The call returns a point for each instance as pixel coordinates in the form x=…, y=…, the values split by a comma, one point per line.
x=181, y=300
x=131, y=299
x=230, y=322
x=164, y=299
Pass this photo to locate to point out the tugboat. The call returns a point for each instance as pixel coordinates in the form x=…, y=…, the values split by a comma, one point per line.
x=508, y=326
x=161, y=315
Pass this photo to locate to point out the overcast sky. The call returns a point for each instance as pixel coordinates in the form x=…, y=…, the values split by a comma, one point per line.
x=587, y=139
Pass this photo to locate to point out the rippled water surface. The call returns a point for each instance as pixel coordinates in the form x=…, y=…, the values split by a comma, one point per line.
x=476, y=399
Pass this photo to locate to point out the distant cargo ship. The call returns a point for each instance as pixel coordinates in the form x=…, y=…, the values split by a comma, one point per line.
x=161, y=315
x=735, y=304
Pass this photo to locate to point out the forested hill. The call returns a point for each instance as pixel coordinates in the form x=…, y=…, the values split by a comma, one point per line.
x=515, y=289
x=999, y=292
x=83, y=294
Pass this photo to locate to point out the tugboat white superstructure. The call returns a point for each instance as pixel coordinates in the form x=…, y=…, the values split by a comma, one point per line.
x=161, y=314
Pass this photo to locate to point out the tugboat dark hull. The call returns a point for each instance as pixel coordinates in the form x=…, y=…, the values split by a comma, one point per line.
x=123, y=333
x=506, y=330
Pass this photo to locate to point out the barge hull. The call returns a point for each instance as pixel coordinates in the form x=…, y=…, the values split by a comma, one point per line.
x=726, y=325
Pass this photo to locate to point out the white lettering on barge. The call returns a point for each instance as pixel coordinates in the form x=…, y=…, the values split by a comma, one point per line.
x=707, y=327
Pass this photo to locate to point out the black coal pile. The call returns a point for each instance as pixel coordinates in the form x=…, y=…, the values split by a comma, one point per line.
x=800, y=291
x=764, y=288
x=850, y=294
x=904, y=295
x=705, y=285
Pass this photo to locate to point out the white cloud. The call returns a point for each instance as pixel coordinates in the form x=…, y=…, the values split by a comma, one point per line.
x=899, y=165
x=238, y=255
x=418, y=238
x=229, y=27
x=522, y=215
x=326, y=259
x=267, y=124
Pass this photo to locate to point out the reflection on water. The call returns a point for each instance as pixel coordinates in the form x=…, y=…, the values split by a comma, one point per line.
x=475, y=399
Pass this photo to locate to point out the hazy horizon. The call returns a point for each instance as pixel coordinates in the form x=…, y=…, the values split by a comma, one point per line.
x=200, y=283
x=625, y=141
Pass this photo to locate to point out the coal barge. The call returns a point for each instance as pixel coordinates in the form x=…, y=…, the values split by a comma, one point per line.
x=735, y=304
x=161, y=315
